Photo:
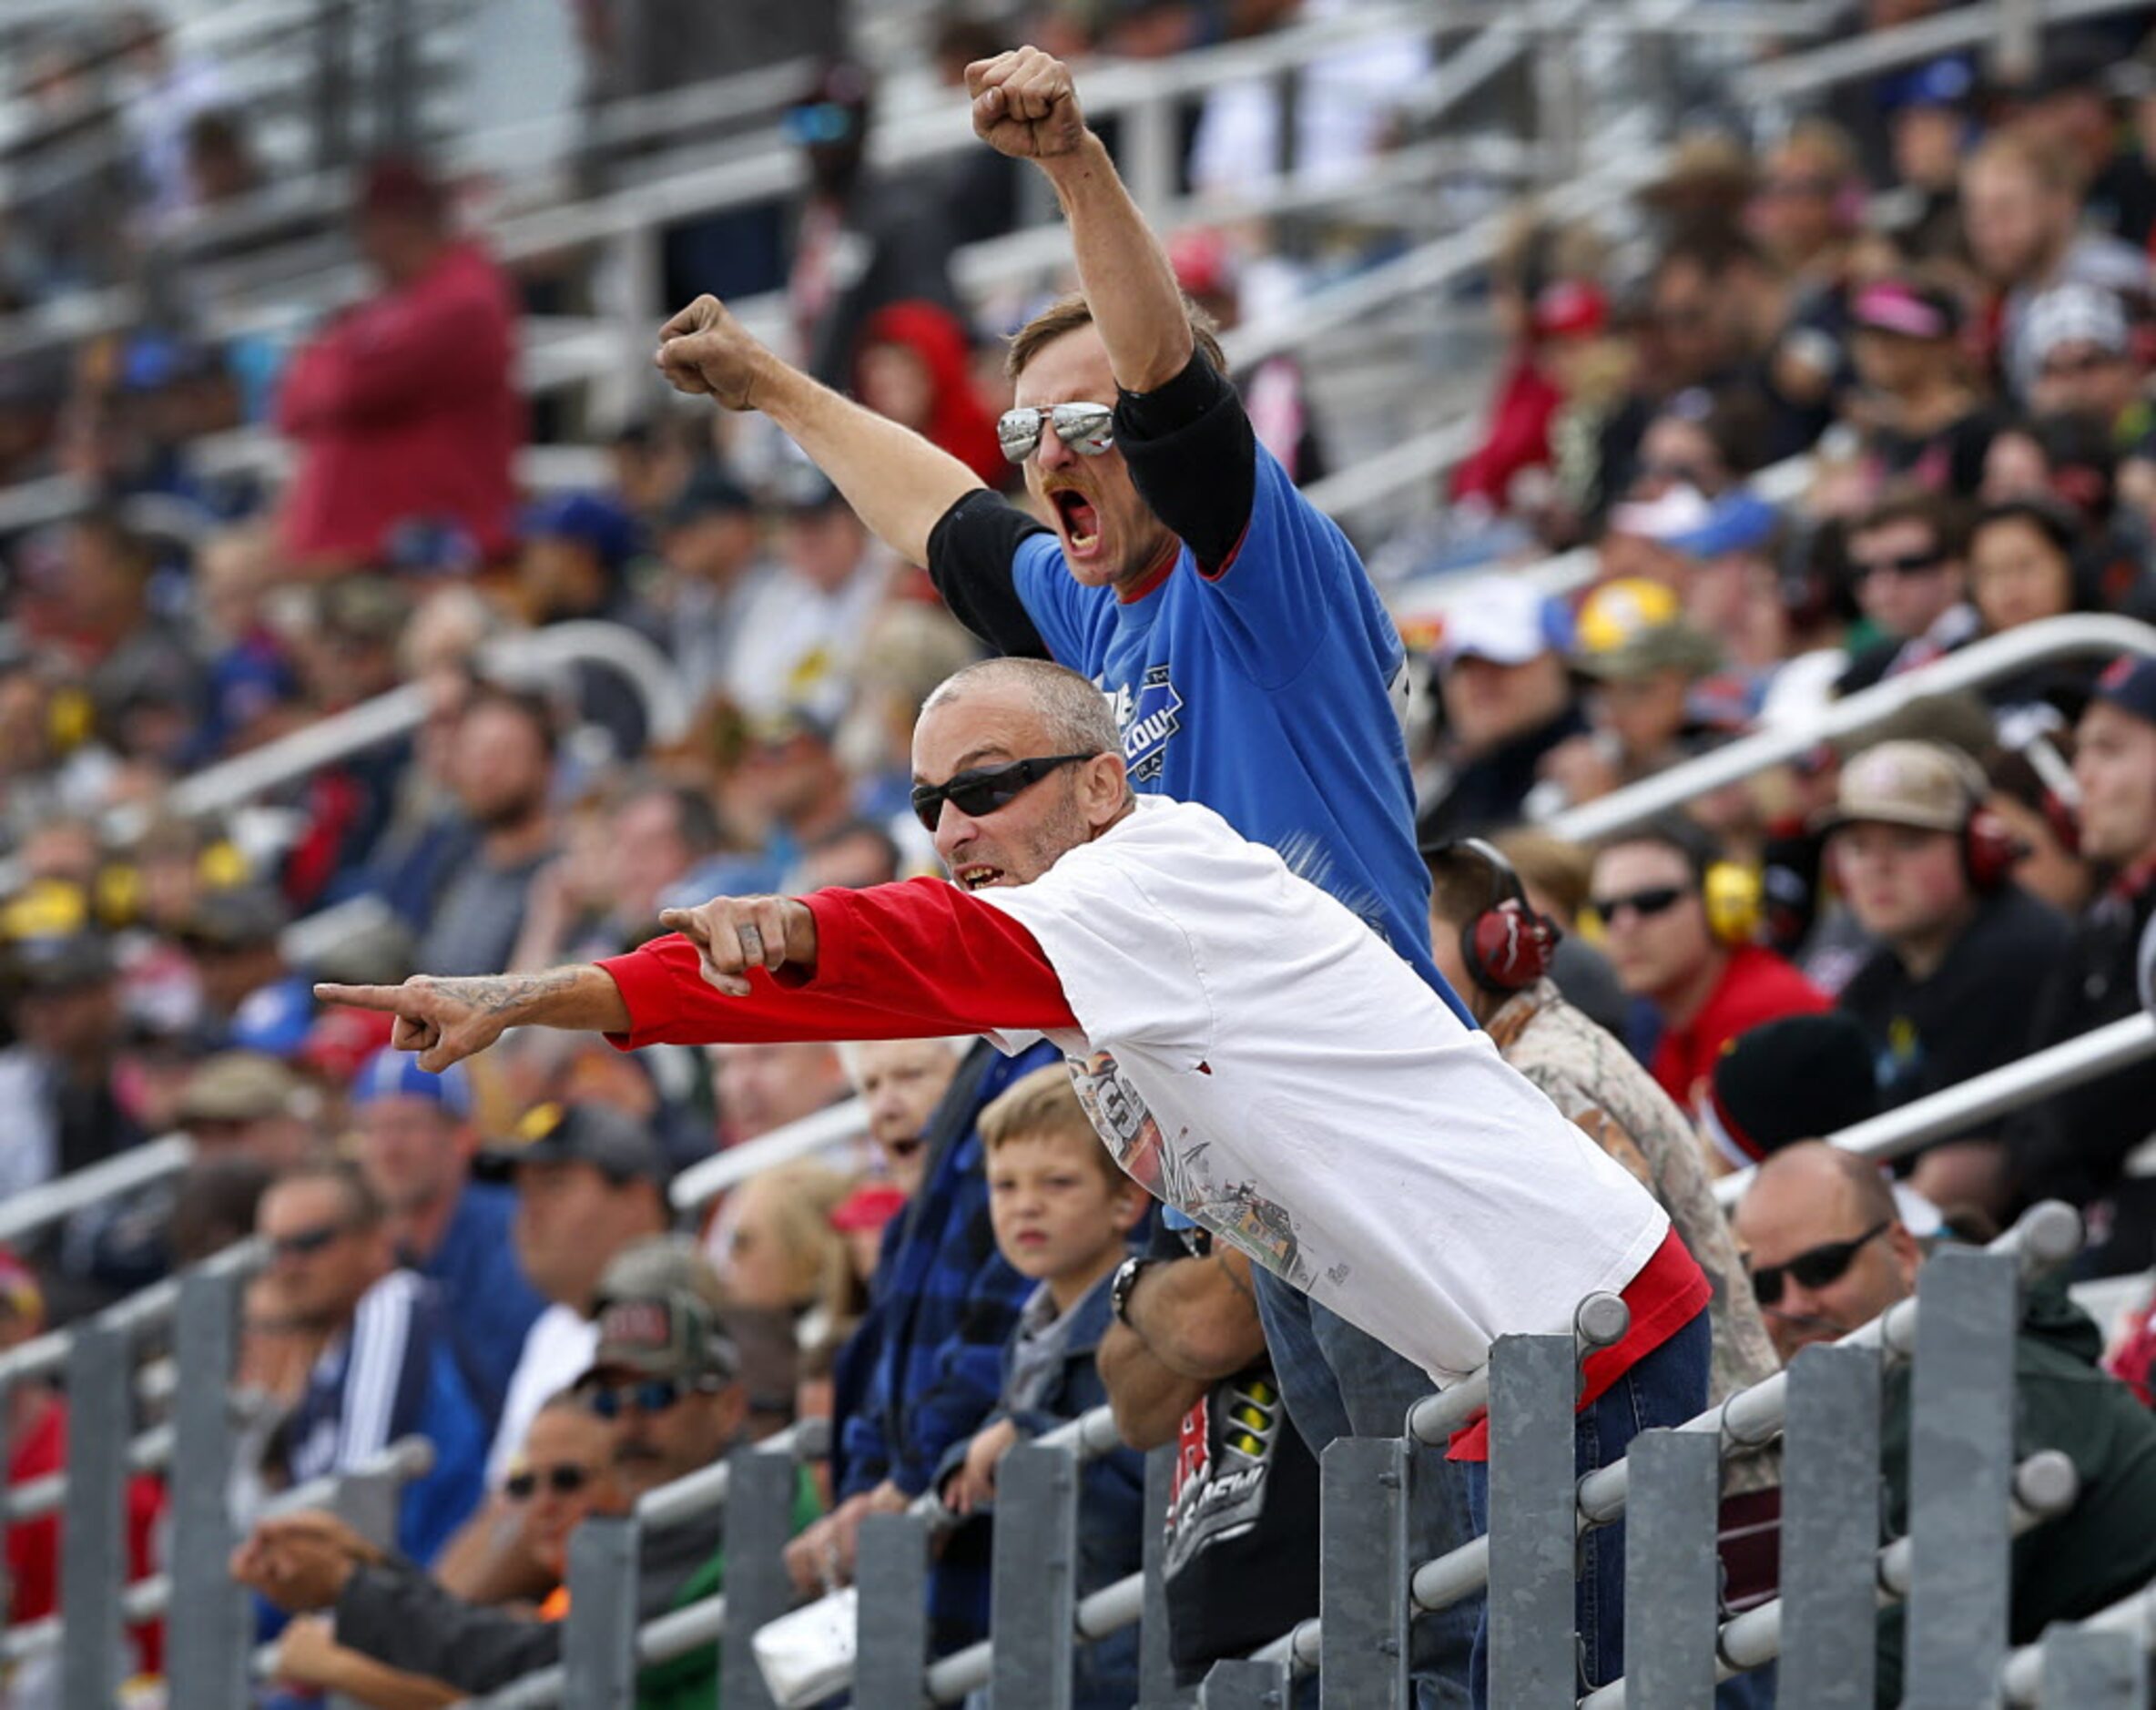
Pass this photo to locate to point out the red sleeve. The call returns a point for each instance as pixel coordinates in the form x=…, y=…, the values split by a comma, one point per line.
x=917, y=960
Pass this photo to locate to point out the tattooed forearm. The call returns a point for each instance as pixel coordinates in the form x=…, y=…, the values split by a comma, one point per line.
x=509, y=994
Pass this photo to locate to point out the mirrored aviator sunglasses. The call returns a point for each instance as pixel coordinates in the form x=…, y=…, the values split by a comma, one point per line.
x=1088, y=428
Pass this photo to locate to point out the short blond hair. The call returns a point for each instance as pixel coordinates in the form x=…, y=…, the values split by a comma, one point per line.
x=1067, y=313
x=1043, y=1103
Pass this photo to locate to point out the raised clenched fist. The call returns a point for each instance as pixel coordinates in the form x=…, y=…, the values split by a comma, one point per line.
x=704, y=349
x=1025, y=104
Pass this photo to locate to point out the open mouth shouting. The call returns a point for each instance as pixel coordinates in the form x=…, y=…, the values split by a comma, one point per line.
x=1077, y=521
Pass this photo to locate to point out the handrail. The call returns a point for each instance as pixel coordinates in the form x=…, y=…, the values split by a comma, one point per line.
x=2045, y=1486
x=699, y=1492
x=2021, y=1679
x=707, y=1179
x=2073, y=1062
x=228, y=783
x=146, y=1308
x=2045, y=1237
x=64, y=1196
x=1901, y=45
x=147, y=1598
x=2077, y=635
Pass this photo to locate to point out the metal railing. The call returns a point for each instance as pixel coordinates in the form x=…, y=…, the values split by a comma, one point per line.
x=1956, y=1109
x=145, y=1166
x=2079, y=634
x=755, y=1487
x=530, y=654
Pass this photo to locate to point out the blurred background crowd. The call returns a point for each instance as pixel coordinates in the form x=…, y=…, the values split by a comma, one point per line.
x=1830, y=395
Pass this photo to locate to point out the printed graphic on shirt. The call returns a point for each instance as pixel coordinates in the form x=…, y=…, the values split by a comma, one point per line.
x=1147, y=720
x=1120, y=1117
x=1257, y=1225
x=1219, y=1492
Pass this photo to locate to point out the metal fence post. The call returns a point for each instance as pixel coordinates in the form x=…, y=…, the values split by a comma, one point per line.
x=759, y=1521
x=369, y=1502
x=1362, y=1574
x=1671, y=1574
x=94, y=1556
x=891, y=1616
x=1156, y=1661
x=207, y=1632
x=1241, y=1684
x=1830, y=1528
x=599, y=1641
x=1033, y=1578
x=1961, y=1446
x=1533, y=1526
x=2085, y=1670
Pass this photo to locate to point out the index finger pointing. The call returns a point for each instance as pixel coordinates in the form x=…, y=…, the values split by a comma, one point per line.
x=388, y=999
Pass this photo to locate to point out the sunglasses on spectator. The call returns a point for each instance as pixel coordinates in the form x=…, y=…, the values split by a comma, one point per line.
x=1907, y=564
x=1088, y=428
x=565, y=1479
x=646, y=1395
x=2085, y=362
x=1816, y=1268
x=1646, y=905
x=306, y=1242
x=984, y=789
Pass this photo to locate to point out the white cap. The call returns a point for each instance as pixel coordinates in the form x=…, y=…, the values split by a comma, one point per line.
x=1506, y=620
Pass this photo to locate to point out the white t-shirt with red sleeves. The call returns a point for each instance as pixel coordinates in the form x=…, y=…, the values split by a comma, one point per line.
x=1251, y=1053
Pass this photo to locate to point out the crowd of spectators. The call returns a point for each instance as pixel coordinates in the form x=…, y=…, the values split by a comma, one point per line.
x=1939, y=297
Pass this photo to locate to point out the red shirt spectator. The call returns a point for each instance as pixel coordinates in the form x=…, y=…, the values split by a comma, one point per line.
x=1757, y=986
x=406, y=408
x=912, y=365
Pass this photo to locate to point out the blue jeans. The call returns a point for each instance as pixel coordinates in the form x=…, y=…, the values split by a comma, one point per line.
x=1667, y=1388
x=1338, y=1381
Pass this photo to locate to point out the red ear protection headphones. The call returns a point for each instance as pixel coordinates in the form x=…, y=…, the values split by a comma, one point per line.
x=1507, y=946
x=1988, y=847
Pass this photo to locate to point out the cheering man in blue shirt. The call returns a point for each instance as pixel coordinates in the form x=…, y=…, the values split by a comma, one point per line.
x=1252, y=667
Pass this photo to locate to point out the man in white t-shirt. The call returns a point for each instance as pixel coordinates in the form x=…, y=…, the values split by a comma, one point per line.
x=1246, y=1047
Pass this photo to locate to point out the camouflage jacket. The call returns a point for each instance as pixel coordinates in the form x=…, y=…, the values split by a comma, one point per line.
x=1588, y=1075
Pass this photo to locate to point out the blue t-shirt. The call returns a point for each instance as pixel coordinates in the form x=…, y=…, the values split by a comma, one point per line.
x=1272, y=692
x=488, y=1301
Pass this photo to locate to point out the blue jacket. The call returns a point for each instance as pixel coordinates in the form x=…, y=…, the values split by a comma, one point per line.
x=484, y=1293
x=944, y=1304
x=1111, y=1499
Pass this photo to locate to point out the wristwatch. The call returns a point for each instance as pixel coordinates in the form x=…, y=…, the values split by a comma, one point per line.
x=1124, y=1282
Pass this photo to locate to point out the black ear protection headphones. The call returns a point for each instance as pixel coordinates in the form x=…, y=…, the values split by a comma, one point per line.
x=1505, y=945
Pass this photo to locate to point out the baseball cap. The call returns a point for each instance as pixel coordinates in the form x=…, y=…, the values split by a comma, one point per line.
x=1664, y=519
x=1926, y=785
x=67, y=961
x=1568, y=307
x=1803, y=1077
x=590, y=519
x=2073, y=313
x=273, y=1019
x=659, y=1306
x=709, y=491
x=1632, y=627
x=617, y=1146
x=238, y=1086
x=1737, y=522
x=237, y=917
x=341, y=1039
x=397, y=1074
x=1506, y=620
x=1949, y=83
x=868, y=1206
x=2128, y=683
x=1906, y=309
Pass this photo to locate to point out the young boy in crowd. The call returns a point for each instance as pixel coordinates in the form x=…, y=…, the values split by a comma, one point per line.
x=1063, y=1215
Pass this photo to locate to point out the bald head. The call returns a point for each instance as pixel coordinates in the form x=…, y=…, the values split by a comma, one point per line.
x=1074, y=715
x=1829, y=1214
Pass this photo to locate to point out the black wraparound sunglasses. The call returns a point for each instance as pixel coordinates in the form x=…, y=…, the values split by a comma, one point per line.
x=1814, y=1268
x=1643, y=903
x=565, y=1479
x=983, y=790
